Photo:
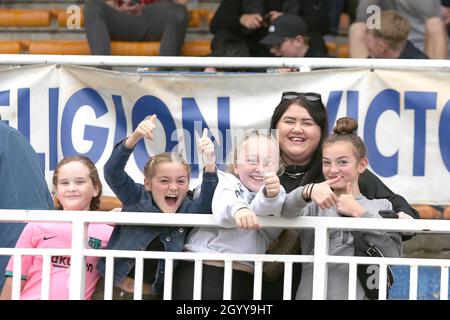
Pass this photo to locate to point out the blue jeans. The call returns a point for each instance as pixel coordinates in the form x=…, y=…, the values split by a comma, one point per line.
x=335, y=9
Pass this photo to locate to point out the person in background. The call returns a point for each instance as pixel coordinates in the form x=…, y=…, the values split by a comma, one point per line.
x=249, y=21
x=344, y=160
x=77, y=186
x=427, y=27
x=390, y=41
x=136, y=20
x=287, y=36
x=23, y=185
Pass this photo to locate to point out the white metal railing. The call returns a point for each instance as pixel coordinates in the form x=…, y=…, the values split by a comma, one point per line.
x=304, y=64
x=320, y=259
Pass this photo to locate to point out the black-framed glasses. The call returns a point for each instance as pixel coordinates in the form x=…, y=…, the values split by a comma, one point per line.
x=292, y=95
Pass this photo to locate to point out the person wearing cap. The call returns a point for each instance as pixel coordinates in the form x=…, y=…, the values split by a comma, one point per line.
x=248, y=20
x=390, y=40
x=288, y=36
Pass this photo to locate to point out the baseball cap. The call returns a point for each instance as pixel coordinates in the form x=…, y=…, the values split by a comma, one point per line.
x=285, y=26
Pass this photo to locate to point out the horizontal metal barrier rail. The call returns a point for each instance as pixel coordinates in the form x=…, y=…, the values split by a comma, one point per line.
x=321, y=225
x=304, y=64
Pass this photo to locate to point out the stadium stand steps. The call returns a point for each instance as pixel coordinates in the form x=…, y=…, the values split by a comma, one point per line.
x=25, y=28
x=124, y=48
x=46, y=20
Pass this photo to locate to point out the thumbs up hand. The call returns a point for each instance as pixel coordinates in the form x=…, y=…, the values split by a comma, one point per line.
x=143, y=130
x=347, y=204
x=323, y=195
x=272, y=185
x=208, y=153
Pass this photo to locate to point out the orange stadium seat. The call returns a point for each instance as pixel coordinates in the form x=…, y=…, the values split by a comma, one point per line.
x=195, y=17
x=59, y=47
x=108, y=203
x=446, y=213
x=207, y=15
x=129, y=48
x=10, y=47
x=343, y=51
x=62, y=15
x=331, y=47
x=196, y=48
x=428, y=212
x=24, y=18
x=81, y=47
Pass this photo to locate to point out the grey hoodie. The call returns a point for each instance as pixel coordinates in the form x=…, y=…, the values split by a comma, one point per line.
x=231, y=195
x=341, y=243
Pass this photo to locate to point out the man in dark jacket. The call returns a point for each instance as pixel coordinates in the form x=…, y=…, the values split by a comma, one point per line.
x=390, y=40
x=234, y=19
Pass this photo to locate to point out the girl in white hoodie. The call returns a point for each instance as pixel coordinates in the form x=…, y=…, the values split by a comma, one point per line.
x=251, y=189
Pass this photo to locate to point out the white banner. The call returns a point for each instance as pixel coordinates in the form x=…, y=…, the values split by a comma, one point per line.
x=403, y=116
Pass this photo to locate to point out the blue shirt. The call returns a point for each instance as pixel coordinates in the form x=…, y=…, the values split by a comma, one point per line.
x=22, y=185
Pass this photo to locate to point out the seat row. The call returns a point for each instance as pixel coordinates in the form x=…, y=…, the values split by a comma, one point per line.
x=42, y=18
x=195, y=48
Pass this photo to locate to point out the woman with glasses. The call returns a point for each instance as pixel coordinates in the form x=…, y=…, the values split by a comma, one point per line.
x=302, y=124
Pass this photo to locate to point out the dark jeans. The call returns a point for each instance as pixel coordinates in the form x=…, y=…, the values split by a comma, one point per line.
x=119, y=294
x=212, y=283
x=163, y=21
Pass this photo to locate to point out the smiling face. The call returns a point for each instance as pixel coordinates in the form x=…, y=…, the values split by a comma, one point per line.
x=257, y=156
x=168, y=184
x=74, y=187
x=339, y=160
x=298, y=134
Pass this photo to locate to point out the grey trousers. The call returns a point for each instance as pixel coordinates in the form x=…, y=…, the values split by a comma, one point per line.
x=163, y=21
